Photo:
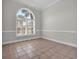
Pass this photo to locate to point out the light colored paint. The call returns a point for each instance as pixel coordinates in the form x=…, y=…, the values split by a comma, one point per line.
x=57, y=20
x=61, y=19
x=39, y=4
x=10, y=9
x=62, y=36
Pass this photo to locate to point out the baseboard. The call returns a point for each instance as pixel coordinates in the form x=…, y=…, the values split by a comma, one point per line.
x=66, y=43
x=9, y=42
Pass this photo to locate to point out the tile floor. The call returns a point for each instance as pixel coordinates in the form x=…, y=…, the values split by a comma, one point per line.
x=38, y=49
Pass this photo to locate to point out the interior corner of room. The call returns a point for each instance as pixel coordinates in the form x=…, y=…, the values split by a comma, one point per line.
x=55, y=21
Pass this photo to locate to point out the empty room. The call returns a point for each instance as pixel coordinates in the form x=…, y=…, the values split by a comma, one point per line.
x=39, y=29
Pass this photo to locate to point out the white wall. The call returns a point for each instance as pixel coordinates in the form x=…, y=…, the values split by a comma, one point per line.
x=60, y=21
x=56, y=22
x=10, y=9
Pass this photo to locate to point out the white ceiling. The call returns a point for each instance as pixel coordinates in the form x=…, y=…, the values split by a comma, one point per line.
x=41, y=4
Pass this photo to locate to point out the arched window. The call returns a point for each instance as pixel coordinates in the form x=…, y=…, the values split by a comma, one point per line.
x=25, y=22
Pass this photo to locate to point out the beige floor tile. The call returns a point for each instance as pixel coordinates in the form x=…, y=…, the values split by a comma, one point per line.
x=38, y=49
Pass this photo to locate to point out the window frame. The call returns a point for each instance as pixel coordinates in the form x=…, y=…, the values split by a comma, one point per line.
x=34, y=32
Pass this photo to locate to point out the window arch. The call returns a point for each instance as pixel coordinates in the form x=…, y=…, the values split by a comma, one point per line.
x=25, y=22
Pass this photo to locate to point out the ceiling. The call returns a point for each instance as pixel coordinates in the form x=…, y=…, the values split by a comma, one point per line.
x=41, y=4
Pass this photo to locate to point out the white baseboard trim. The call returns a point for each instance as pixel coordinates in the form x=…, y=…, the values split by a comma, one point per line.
x=66, y=43
x=9, y=42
